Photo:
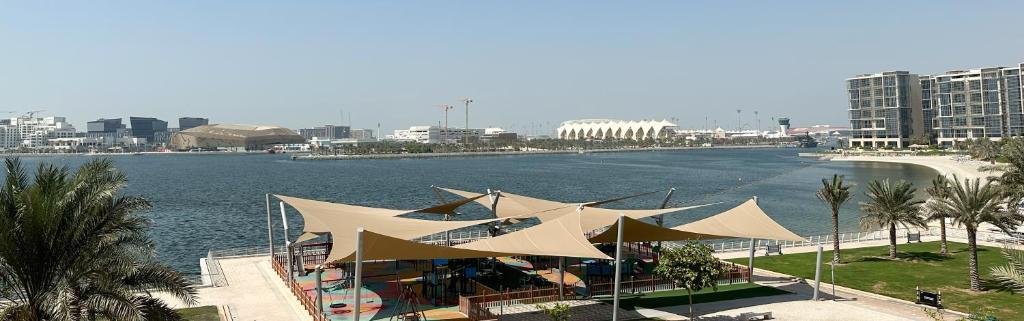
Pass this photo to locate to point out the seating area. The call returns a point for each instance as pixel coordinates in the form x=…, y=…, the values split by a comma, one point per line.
x=383, y=270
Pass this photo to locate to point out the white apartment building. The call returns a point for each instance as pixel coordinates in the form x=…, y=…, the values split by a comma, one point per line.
x=33, y=132
x=435, y=134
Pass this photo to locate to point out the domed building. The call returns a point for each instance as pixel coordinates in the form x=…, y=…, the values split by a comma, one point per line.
x=250, y=137
x=616, y=129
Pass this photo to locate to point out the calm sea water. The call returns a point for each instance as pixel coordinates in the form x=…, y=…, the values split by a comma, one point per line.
x=217, y=201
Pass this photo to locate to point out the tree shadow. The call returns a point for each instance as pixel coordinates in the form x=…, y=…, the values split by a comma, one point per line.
x=906, y=257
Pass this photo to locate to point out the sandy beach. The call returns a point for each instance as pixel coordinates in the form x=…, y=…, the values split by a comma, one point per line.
x=946, y=165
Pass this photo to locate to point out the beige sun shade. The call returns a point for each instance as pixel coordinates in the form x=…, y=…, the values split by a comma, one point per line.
x=637, y=231
x=746, y=221
x=382, y=247
x=513, y=205
x=559, y=237
x=315, y=209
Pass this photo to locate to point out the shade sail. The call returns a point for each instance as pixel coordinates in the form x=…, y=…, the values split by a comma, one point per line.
x=315, y=209
x=382, y=247
x=746, y=220
x=342, y=225
x=637, y=231
x=559, y=237
x=513, y=205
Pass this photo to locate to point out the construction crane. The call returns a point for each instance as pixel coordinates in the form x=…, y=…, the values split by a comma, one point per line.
x=32, y=113
x=445, y=108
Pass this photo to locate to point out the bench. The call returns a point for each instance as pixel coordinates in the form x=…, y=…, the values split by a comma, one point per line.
x=769, y=249
x=911, y=237
x=748, y=316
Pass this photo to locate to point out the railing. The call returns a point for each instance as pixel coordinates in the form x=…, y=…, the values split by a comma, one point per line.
x=478, y=307
x=852, y=237
x=308, y=303
x=733, y=274
x=217, y=278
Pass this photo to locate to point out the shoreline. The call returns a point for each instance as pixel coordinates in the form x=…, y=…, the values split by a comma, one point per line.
x=944, y=165
x=518, y=153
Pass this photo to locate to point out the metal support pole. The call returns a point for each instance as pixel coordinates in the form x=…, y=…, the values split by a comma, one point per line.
x=561, y=278
x=357, y=299
x=753, y=249
x=618, y=269
x=319, y=289
x=750, y=263
x=817, y=274
x=660, y=219
x=270, y=229
x=287, y=244
x=494, y=196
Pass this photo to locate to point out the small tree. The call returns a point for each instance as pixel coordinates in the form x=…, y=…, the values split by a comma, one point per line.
x=691, y=266
x=557, y=312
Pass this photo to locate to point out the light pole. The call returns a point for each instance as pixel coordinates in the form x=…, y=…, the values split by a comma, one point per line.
x=739, y=126
x=446, y=108
x=465, y=135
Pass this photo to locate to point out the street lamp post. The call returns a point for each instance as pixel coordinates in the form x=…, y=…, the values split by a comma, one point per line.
x=465, y=135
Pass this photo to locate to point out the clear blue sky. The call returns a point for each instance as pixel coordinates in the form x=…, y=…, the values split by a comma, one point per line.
x=296, y=64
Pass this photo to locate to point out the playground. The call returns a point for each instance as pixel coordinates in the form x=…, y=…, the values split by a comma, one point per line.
x=400, y=268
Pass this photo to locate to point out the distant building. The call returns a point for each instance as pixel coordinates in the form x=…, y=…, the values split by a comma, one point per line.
x=783, y=127
x=498, y=135
x=191, y=122
x=234, y=136
x=101, y=125
x=362, y=134
x=147, y=127
x=435, y=134
x=33, y=132
x=616, y=129
x=326, y=131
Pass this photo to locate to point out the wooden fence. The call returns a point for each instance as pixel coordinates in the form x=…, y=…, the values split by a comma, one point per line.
x=733, y=274
x=478, y=307
x=305, y=300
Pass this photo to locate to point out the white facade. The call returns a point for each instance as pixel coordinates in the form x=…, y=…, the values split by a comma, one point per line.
x=33, y=132
x=616, y=129
x=435, y=134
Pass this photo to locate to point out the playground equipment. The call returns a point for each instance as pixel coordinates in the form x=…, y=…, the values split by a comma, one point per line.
x=407, y=308
x=446, y=280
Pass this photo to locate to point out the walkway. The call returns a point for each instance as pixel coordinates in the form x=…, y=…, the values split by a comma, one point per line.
x=254, y=292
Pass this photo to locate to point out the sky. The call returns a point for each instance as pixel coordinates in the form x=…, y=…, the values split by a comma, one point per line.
x=528, y=65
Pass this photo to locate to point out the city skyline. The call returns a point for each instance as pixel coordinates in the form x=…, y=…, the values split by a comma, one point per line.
x=528, y=63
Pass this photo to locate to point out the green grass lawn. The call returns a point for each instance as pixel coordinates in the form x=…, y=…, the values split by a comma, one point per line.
x=207, y=313
x=919, y=264
x=678, y=297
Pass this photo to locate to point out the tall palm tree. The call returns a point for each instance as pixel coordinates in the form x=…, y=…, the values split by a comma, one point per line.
x=73, y=248
x=1012, y=179
x=938, y=191
x=971, y=204
x=891, y=204
x=834, y=194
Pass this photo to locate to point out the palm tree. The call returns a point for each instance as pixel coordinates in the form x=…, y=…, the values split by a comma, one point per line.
x=1011, y=275
x=835, y=194
x=73, y=248
x=1012, y=179
x=938, y=191
x=890, y=205
x=969, y=205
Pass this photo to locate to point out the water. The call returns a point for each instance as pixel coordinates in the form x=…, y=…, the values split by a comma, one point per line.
x=217, y=201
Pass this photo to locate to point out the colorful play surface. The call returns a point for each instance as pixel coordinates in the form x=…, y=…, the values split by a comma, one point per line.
x=379, y=295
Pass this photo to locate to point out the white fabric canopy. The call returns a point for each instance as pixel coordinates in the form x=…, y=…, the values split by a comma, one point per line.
x=638, y=231
x=378, y=246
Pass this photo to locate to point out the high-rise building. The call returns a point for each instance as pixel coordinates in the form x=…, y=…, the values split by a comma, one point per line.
x=954, y=106
x=147, y=127
x=192, y=122
x=362, y=134
x=885, y=109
